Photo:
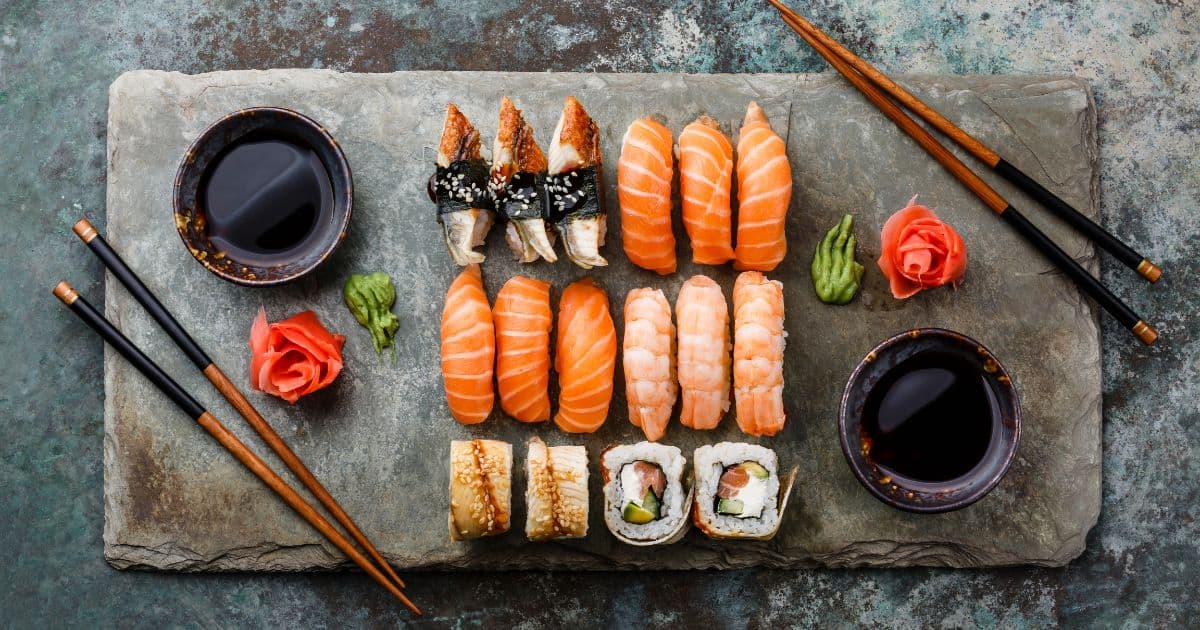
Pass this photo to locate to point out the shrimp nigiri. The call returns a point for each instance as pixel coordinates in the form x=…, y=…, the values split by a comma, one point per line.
x=573, y=186
x=705, y=175
x=758, y=341
x=648, y=355
x=644, y=175
x=764, y=191
x=459, y=187
x=585, y=356
x=702, y=317
x=518, y=184
x=522, y=316
x=468, y=348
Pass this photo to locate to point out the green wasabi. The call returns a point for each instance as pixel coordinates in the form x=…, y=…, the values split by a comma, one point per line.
x=835, y=273
x=370, y=298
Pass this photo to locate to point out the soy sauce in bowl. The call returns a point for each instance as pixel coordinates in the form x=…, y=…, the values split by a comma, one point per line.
x=929, y=421
x=267, y=197
x=931, y=418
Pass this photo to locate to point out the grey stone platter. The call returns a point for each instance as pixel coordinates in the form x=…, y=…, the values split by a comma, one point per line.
x=379, y=437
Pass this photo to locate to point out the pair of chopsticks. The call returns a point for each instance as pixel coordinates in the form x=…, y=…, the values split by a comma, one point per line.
x=93, y=318
x=870, y=82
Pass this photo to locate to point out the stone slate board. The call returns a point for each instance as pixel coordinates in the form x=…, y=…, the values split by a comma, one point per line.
x=379, y=436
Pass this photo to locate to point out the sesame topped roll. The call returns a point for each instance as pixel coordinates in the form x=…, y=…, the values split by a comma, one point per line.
x=557, y=494
x=480, y=488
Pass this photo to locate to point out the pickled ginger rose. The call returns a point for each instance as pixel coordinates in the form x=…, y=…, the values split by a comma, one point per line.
x=920, y=251
x=294, y=357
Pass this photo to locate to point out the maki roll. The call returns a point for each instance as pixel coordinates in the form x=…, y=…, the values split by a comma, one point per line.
x=557, y=496
x=459, y=187
x=645, y=502
x=480, y=488
x=518, y=185
x=739, y=492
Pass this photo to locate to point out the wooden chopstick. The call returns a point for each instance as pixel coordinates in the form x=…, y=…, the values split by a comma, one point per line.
x=981, y=189
x=1107, y=241
x=89, y=235
x=189, y=405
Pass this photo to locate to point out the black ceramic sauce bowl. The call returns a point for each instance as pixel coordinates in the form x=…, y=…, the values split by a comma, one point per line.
x=205, y=154
x=924, y=496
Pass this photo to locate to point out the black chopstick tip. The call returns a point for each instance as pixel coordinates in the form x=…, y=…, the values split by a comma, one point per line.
x=64, y=292
x=1149, y=270
x=85, y=230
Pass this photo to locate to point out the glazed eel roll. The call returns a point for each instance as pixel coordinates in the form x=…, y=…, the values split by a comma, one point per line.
x=739, y=492
x=557, y=494
x=645, y=501
x=459, y=187
x=480, y=488
x=518, y=185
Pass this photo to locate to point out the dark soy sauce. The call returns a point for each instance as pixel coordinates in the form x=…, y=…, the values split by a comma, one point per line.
x=267, y=200
x=930, y=418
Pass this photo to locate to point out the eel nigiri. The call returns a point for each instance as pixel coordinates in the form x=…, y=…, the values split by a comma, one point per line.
x=585, y=356
x=644, y=175
x=702, y=317
x=522, y=317
x=758, y=341
x=459, y=187
x=764, y=191
x=648, y=356
x=573, y=186
x=468, y=348
x=705, y=175
x=518, y=184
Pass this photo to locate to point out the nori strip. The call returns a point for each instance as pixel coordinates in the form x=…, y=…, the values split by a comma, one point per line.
x=573, y=195
x=523, y=197
x=461, y=186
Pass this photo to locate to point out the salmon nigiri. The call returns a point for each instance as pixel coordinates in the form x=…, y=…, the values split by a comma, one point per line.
x=522, y=316
x=764, y=191
x=648, y=355
x=758, y=341
x=705, y=175
x=644, y=175
x=702, y=316
x=468, y=348
x=585, y=356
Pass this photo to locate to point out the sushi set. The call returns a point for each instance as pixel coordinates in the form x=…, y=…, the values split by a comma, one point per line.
x=408, y=444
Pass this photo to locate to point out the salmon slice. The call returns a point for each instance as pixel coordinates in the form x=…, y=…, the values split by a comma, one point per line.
x=644, y=175
x=702, y=316
x=522, y=316
x=585, y=357
x=648, y=356
x=758, y=342
x=705, y=175
x=468, y=348
x=764, y=192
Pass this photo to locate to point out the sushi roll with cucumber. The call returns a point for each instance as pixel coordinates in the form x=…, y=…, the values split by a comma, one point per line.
x=480, y=488
x=645, y=501
x=739, y=491
x=557, y=495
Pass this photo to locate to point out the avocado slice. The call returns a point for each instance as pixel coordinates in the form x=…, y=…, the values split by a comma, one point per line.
x=732, y=507
x=756, y=469
x=636, y=515
x=651, y=504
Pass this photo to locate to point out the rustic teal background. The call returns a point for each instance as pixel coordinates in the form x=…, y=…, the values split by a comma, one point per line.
x=57, y=59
